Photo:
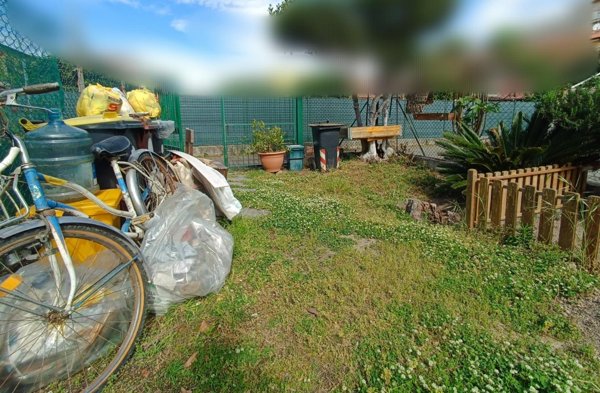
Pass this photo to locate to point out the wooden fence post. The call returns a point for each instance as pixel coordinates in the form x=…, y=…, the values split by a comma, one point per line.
x=592, y=234
x=189, y=141
x=482, y=203
x=528, y=205
x=512, y=203
x=497, y=203
x=471, y=197
x=547, y=217
x=568, y=221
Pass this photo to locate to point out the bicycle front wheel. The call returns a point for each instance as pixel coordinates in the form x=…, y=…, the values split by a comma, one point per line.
x=150, y=182
x=41, y=345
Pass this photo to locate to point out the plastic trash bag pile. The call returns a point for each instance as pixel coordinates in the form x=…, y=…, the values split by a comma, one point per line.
x=187, y=253
x=97, y=99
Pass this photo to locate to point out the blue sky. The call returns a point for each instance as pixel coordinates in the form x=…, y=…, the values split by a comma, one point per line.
x=202, y=41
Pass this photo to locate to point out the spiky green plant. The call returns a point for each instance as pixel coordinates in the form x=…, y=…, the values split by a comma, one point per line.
x=524, y=144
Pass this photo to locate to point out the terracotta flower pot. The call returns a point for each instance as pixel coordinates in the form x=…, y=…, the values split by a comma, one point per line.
x=272, y=162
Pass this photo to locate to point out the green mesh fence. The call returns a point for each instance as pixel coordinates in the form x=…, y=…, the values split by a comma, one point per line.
x=22, y=62
x=222, y=126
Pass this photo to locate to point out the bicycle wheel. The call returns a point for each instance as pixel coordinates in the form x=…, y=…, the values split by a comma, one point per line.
x=42, y=347
x=150, y=182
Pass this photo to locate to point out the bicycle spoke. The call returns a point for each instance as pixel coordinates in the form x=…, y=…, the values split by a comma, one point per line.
x=84, y=348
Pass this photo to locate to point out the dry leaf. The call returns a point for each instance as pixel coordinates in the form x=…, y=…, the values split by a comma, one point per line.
x=204, y=326
x=313, y=311
x=191, y=360
x=184, y=390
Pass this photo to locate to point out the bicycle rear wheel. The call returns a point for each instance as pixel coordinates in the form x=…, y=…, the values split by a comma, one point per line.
x=42, y=347
x=150, y=182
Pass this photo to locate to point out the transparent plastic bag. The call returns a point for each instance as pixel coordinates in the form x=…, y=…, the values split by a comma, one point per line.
x=215, y=184
x=62, y=349
x=186, y=252
x=164, y=128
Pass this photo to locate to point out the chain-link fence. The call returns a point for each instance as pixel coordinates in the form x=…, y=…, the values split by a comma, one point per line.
x=222, y=125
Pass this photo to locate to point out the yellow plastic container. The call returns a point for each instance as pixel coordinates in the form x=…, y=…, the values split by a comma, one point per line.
x=112, y=197
x=81, y=249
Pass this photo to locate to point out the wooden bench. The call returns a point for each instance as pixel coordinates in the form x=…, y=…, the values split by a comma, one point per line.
x=371, y=133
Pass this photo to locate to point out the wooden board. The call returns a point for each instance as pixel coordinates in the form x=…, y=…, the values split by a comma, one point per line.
x=433, y=116
x=374, y=132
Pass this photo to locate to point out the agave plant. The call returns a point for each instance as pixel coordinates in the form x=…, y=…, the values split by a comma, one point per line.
x=525, y=143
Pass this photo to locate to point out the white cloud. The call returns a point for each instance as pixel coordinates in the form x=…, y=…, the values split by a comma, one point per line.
x=158, y=9
x=131, y=3
x=179, y=24
x=249, y=7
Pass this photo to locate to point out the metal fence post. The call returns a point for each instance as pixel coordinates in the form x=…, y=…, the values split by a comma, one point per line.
x=224, y=133
x=300, y=120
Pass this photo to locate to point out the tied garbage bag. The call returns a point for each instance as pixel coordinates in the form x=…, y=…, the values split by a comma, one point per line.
x=186, y=252
x=97, y=99
x=143, y=100
x=35, y=351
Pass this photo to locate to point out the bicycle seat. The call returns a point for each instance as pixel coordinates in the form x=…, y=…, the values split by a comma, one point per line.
x=113, y=147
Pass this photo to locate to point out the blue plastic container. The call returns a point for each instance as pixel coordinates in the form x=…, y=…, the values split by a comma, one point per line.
x=62, y=151
x=296, y=157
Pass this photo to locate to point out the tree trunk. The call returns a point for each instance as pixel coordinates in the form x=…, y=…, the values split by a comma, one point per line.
x=386, y=148
x=356, y=104
x=379, y=108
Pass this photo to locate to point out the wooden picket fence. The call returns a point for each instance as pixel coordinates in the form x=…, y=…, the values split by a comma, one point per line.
x=501, y=199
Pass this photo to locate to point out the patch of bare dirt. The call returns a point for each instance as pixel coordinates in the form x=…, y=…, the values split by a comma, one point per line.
x=585, y=313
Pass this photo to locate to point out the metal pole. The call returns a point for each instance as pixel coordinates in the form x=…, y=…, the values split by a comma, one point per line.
x=300, y=120
x=224, y=133
x=412, y=128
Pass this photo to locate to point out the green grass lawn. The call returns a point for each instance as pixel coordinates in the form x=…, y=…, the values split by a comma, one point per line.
x=339, y=290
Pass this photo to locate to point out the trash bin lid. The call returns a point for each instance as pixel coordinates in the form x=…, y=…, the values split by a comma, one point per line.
x=103, y=121
x=326, y=125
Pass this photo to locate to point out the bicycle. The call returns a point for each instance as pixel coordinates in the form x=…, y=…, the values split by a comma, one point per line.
x=72, y=290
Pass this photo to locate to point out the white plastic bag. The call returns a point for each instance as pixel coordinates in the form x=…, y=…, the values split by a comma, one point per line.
x=126, y=108
x=187, y=253
x=215, y=184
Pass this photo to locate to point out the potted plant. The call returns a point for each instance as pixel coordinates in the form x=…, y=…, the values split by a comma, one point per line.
x=269, y=144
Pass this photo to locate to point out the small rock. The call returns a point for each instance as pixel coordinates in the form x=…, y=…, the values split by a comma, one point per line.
x=419, y=210
x=253, y=213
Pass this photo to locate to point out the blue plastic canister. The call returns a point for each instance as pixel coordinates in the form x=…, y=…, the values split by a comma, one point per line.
x=62, y=151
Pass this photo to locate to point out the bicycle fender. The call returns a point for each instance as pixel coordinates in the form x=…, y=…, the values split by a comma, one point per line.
x=28, y=225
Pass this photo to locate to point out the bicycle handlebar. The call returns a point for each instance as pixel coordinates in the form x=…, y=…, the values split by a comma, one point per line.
x=31, y=89
x=41, y=88
x=10, y=158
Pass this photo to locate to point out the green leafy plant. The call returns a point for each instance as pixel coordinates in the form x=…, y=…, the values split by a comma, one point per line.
x=574, y=115
x=472, y=110
x=524, y=144
x=267, y=139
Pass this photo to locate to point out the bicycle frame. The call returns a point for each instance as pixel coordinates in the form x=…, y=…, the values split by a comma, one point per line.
x=46, y=208
x=49, y=215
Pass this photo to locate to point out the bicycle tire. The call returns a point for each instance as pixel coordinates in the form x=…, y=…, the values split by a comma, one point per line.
x=95, y=251
x=150, y=182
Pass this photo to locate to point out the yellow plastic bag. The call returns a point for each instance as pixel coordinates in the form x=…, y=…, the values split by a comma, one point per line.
x=97, y=99
x=143, y=100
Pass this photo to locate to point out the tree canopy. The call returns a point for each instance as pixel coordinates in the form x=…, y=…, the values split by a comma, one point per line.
x=385, y=29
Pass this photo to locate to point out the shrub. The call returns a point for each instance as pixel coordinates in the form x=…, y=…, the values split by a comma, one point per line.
x=525, y=143
x=267, y=139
